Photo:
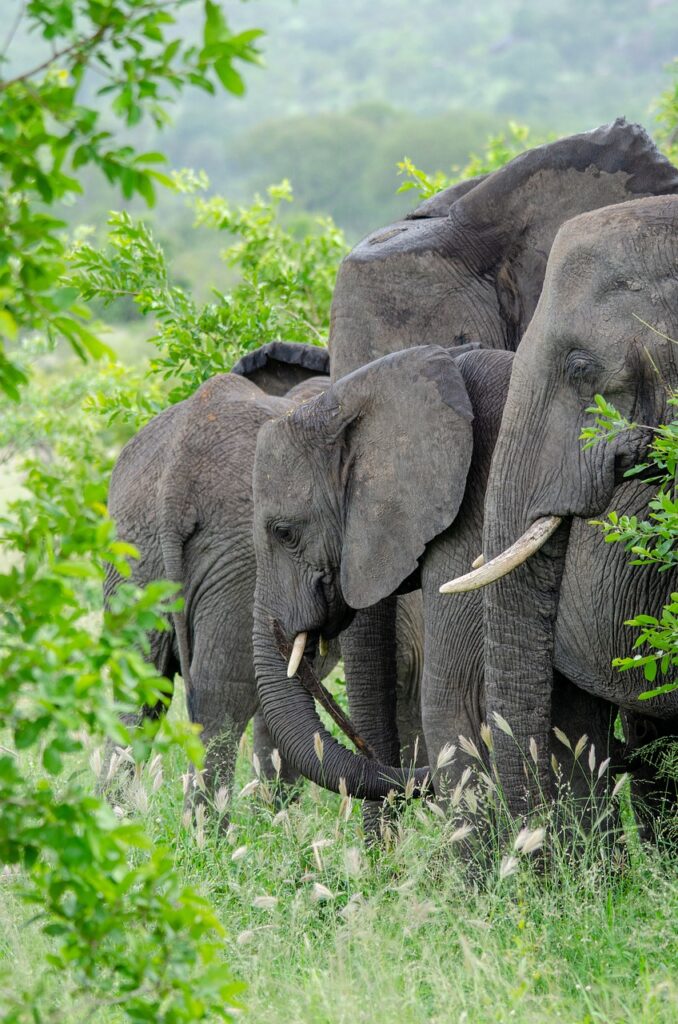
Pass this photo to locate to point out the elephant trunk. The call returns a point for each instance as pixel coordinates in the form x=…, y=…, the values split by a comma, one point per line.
x=519, y=624
x=300, y=736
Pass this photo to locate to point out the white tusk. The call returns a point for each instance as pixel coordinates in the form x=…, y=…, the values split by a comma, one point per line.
x=477, y=562
x=323, y=647
x=531, y=541
x=297, y=654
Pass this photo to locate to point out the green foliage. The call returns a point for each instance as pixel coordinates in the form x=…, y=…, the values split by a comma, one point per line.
x=499, y=149
x=125, y=932
x=652, y=541
x=667, y=116
x=283, y=289
x=51, y=127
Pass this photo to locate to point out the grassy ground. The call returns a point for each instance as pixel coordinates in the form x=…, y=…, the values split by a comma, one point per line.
x=324, y=931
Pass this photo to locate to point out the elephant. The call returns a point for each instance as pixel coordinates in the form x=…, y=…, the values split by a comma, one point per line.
x=467, y=266
x=368, y=490
x=193, y=524
x=602, y=325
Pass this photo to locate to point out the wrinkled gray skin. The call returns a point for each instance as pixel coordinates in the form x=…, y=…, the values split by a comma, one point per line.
x=357, y=491
x=181, y=493
x=466, y=266
x=566, y=606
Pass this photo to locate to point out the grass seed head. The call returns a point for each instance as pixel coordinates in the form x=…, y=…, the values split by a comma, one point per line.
x=320, y=893
x=446, y=755
x=486, y=736
x=239, y=854
x=620, y=783
x=534, y=753
x=502, y=724
x=560, y=735
x=318, y=746
x=461, y=833
x=221, y=799
x=276, y=760
x=580, y=746
x=592, y=757
x=469, y=747
x=256, y=764
x=249, y=788
x=604, y=765
x=508, y=866
x=265, y=902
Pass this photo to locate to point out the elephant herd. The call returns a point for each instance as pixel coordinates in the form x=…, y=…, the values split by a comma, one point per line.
x=467, y=343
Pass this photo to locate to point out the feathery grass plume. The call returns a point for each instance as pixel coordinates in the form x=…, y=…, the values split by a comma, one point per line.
x=256, y=764
x=409, y=788
x=353, y=906
x=604, y=765
x=318, y=746
x=265, y=902
x=555, y=764
x=592, y=758
x=534, y=753
x=353, y=861
x=185, y=782
x=320, y=893
x=276, y=761
x=502, y=724
x=199, y=814
x=461, y=833
x=343, y=789
x=560, y=735
x=157, y=781
x=345, y=808
x=249, y=788
x=316, y=846
x=221, y=799
x=436, y=809
x=471, y=800
x=245, y=936
x=239, y=853
x=139, y=797
x=580, y=746
x=529, y=840
x=469, y=747
x=445, y=755
x=620, y=783
x=118, y=811
x=281, y=818
x=96, y=761
x=508, y=866
x=486, y=736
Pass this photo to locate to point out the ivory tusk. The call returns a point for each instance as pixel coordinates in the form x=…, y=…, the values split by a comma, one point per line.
x=323, y=647
x=531, y=541
x=477, y=562
x=297, y=654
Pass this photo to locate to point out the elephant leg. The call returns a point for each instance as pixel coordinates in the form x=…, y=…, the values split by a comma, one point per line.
x=452, y=685
x=409, y=668
x=264, y=747
x=222, y=699
x=368, y=647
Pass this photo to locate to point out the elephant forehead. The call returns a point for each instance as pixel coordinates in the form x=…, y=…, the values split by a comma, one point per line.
x=594, y=257
x=281, y=472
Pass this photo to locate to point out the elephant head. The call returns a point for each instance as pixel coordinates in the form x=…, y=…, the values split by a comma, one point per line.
x=602, y=326
x=469, y=264
x=348, y=490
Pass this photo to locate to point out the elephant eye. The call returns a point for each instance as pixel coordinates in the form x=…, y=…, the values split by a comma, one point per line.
x=283, y=533
x=581, y=368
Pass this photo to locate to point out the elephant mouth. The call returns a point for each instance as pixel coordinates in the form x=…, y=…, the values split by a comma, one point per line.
x=310, y=643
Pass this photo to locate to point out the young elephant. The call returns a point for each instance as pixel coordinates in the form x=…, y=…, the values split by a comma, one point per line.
x=603, y=325
x=375, y=486
x=181, y=492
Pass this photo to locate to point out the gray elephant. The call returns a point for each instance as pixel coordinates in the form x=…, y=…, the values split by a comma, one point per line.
x=466, y=266
x=369, y=489
x=608, y=308
x=181, y=492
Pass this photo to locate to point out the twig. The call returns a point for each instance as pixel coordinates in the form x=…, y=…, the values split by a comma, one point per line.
x=312, y=685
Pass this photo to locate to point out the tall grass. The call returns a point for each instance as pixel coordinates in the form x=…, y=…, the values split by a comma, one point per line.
x=324, y=930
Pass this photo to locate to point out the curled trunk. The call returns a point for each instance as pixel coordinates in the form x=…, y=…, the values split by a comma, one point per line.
x=300, y=736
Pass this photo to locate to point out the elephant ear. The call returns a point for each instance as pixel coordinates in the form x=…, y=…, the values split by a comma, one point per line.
x=440, y=204
x=406, y=444
x=281, y=365
x=521, y=206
